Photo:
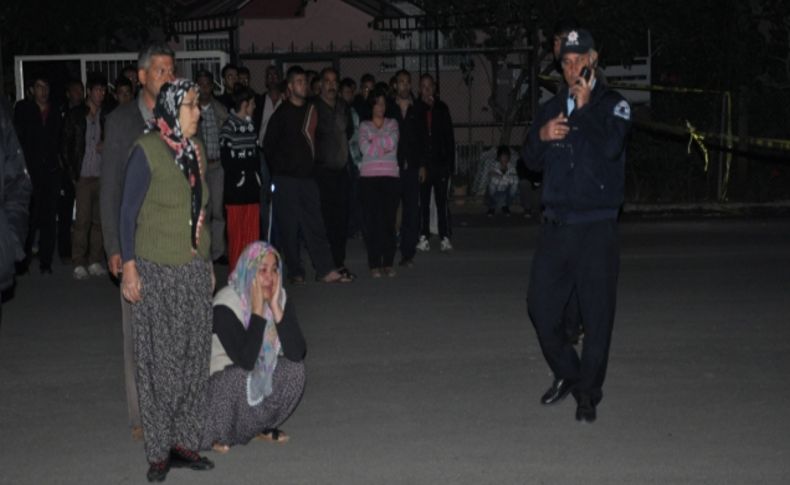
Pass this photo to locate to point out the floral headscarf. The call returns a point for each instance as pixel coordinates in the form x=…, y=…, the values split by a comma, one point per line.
x=166, y=110
x=259, y=380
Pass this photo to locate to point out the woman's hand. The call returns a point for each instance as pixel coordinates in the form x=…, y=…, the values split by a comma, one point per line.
x=274, y=302
x=131, y=285
x=257, y=297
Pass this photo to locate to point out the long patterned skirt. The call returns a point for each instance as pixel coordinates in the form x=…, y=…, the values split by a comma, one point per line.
x=172, y=330
x=232, y=421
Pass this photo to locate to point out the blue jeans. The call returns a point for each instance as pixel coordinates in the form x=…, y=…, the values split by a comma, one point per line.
x=501, y=198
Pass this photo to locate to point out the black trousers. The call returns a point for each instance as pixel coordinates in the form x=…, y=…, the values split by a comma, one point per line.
x=297, y=206
x=584, y=258
x=439, y=186
x=334, y=187
x=355, y=219
x=410, y=211
x=380, y=196
x=65, y=216
x=43, y=210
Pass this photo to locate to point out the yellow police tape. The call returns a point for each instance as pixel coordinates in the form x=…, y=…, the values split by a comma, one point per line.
x=699, y=138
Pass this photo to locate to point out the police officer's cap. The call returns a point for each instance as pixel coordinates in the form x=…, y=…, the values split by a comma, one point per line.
x=578, y=41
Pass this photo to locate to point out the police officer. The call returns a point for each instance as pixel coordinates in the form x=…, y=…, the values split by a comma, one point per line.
x=578, y=141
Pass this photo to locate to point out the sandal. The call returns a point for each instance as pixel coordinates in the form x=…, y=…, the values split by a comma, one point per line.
x=335, y=277
x=348, y=274
x=273, y=435
x=220, y=448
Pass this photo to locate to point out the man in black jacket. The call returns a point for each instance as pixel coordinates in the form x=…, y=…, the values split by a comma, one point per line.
x=14, y=200
x=83, y=134
x=75, y=96
x=578, y=142
x=38, y=128
x=289, y=147
x=334, y=129
x=411, y=157
x=439, y=162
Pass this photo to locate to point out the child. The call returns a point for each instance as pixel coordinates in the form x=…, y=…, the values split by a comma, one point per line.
x=502, y=183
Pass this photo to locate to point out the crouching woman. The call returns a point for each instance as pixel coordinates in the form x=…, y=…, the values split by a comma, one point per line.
x=257, y=370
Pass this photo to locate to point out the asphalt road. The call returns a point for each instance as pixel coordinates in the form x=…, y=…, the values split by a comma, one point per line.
x=433, y=377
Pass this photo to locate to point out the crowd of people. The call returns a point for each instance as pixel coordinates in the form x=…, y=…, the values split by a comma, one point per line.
x=170, y=180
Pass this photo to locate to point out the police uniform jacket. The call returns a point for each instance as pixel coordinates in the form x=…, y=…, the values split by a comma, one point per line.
x=583, y=175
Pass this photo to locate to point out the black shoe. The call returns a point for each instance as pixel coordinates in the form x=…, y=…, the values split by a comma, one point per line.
x=183, y=458
x=490, y=212
x=506, y=211
x=585, y=410
x=557, y=392
x=157, y=472
x=45, y=268
x=222, y=261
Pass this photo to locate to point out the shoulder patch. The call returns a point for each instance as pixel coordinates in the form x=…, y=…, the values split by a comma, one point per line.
x=623, y=110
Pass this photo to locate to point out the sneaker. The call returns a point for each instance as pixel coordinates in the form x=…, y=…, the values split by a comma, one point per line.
x=446, y=246
x=96, y=269
x=389, y=272
x=490, y=213
x=80, y=273
x=423, y=245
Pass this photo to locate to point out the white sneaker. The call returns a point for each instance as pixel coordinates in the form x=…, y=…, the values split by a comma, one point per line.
x=80, y=273
x=446, y=246
x=96, y=269
x=423, y=245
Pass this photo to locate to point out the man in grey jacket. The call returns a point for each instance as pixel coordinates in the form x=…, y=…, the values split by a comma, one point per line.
x=156, y=66
x=15, y=191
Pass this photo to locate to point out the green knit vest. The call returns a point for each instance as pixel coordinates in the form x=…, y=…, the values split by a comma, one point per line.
x=163, y=226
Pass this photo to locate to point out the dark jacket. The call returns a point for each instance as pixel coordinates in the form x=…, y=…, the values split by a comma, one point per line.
x=124, y=125
x=412, y=151
x=332, y=133
x=362, y=107
x=40, y=139
x=72, y=146
x=14, y=198
x=289, y=143
x=583, y=175
x=439, y=138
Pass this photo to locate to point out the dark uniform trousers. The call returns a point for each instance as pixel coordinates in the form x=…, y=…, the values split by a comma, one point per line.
x=585, y=258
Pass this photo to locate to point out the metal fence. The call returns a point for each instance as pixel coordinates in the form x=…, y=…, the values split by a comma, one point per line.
x=61, y=68
x=470, y=80
x=464, y=81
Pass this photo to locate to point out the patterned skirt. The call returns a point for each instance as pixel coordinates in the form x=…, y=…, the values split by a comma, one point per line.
x=232, y=421
x=172, y=332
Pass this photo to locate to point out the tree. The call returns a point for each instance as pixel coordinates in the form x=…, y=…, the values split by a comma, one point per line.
x=712, y=44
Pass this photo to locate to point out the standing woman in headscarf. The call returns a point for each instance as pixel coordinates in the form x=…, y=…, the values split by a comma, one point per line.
x=168, y=278
x=257, y=369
